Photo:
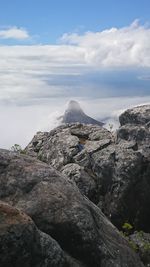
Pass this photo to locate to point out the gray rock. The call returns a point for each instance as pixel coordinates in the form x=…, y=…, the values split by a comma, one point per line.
x=140, y=242
x=61, y=145
x=124, y=184
x=136, y=115
x=56, y=149
x=58, y=209
x=93, y=146
x=138, y=133
x=22, y=244
x=83, y=180
x=100, y=134
x=120, y=170
x=71, y=143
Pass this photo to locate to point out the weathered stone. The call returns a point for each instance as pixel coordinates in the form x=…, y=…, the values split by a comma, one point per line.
x=58, y=209
x=124, y=184
x=71, y=143
x=93, y=146
x=85, y=182
x=61, y=145
x=100, y=134
x=57, y=150
x=138, y=133
x=136, y=115
x=140, y=242
x=22, y=244
x=120, y=169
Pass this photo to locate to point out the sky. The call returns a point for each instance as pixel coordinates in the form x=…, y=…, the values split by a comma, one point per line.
x=94, y=51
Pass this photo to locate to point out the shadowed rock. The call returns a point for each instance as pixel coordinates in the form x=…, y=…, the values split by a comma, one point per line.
x=140, y=242
x=22, y=244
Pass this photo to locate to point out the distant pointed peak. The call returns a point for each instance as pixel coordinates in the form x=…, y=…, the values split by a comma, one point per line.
x=74, y=113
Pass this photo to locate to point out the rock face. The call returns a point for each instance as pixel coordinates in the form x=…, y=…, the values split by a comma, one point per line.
x=74, y=113
x=112, y=171
x=58, y=209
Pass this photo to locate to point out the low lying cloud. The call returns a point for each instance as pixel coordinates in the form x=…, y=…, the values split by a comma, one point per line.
x=14, y=33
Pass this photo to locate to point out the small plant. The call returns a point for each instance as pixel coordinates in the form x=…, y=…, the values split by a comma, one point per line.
x=127, y=228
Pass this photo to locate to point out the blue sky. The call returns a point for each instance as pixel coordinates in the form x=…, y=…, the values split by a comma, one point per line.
x=51, y=51
x=49, y=19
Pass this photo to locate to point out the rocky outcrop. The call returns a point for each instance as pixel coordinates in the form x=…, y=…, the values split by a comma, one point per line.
x=74, y=113
x=72, y=144
x=58, y=209
x=112, y=171
x=22, y=244
x=67, y=178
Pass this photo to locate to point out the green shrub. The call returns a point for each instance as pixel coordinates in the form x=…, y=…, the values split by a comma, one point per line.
x=127, y=228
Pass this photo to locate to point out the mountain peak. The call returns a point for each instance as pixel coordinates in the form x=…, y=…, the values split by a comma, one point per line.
x=74, y=113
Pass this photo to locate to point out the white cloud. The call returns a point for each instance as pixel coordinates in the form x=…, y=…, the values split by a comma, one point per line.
x=14, y=33
x=115, y=47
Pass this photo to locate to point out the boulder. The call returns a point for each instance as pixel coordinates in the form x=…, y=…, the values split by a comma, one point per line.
x=59, y=210
x=137, y=133
x=22, y=244
x=124, y=185
x=137, y=115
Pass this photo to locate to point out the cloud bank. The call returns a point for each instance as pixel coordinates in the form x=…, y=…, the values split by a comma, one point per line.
x=44, y=71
